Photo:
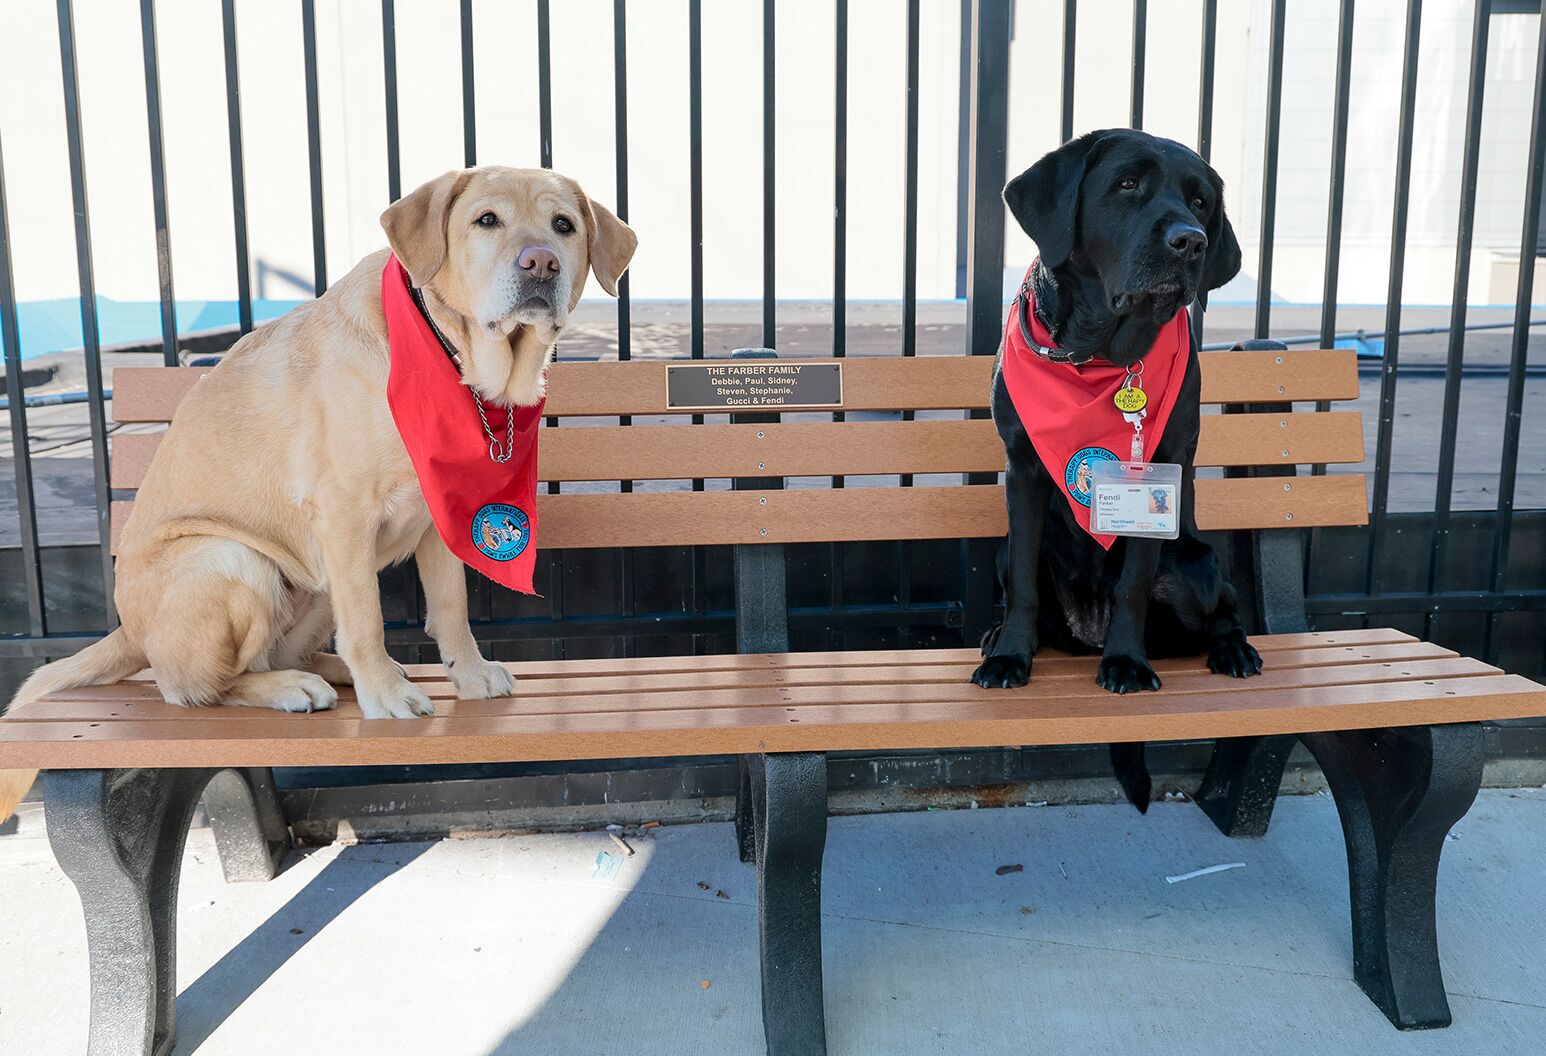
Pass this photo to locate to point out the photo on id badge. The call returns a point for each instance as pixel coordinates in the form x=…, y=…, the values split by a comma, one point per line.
x=1135, y=499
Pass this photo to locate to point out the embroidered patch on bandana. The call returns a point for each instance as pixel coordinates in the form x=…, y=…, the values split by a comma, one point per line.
x=501, y=531
x=1079, y=475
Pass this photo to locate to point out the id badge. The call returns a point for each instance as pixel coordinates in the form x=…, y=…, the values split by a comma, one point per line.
x=1140, y=499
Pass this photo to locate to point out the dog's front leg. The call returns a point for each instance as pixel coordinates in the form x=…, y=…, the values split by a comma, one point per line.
x=445, y=593
x=1007, y=663
x=1124, y=663
x=379, y=684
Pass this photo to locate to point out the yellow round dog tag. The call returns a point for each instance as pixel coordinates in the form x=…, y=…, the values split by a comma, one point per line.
x=1130, y=400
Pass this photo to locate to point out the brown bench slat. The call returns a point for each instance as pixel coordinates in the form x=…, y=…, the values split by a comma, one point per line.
x=1281, y=502
x=1334, y=437
x=1290, y=376
x=987, y=719
x=801, y=515
x=1336, y=646
x=679, y=452
x=151, y=394
x=129, y=702
x=686, y=518
x=587, y=678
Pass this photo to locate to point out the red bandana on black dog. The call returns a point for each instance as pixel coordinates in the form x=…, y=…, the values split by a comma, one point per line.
x=1067, y=410
x=486, y=511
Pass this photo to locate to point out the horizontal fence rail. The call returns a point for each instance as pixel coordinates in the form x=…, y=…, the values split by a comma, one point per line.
x=856, y=593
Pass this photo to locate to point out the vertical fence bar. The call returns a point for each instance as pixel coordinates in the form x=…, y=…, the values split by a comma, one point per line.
x=769, y=142
x=909, y=265
x=233, y=115
x=695, y=171
x=695, y=181
x=840, y=184
x=910, y=191
x=1269, y=182
x=469, y=91
x=545, y=151
x=314, y=146
x=620, y=154
x=545, y=81
x=989, y=130
x=389, y=80
x=1393, y=294
x=1449, y=417
x=839, y=263
x=1070, y=33
x=158, y=182
x=1331, y=274
x=1205, y=78
x=1529, y=246
x=1140, y=48
x=963, y=165
x=21, y=456
x=989, y=143
x=628, y=583
x=1210, y=33
x=91, y=342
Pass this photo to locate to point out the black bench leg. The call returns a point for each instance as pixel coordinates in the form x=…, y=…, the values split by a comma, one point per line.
x=789, y=800
x=1241, y=784
x=1398, y=792
x=745, y=823
x=119, y=836
x=250, y=832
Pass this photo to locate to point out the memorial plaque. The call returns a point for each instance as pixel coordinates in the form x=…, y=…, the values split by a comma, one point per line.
x=754, y=384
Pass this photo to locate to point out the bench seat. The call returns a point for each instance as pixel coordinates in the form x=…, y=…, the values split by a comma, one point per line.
x=1393, y=722
x=790, y=702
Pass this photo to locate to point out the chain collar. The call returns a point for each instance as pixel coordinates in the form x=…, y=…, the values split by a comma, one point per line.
x=494, y=452
x=1023, y=312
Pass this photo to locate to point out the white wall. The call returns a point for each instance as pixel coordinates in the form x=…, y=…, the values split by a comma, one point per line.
x=353, y=130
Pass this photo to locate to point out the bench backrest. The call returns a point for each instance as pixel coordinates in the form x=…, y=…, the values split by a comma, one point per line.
x=875, y=439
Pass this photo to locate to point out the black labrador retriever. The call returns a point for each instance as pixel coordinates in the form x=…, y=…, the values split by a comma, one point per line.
x=1131, y=228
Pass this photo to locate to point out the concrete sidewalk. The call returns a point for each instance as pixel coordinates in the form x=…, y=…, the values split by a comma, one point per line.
x=527, y=945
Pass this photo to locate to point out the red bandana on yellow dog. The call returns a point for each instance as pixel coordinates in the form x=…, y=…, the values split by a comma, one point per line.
x=485, y=510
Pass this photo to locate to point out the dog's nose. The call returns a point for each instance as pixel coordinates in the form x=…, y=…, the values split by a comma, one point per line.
x=1187, y=241
x=539, y=262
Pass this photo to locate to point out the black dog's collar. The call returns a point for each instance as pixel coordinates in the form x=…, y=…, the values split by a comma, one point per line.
x=1023, y=313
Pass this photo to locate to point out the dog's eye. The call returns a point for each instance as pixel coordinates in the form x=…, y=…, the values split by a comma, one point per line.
x=488, y=220
x=1128, y=183
x=1199, y=203
x=563, y=225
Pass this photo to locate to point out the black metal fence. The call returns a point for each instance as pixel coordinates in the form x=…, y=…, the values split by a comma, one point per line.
x=1436, y=572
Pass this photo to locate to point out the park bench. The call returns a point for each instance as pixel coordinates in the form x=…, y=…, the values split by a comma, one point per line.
x=1391, y=719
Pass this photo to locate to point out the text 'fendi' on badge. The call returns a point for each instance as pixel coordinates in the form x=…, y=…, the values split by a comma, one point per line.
x=741, y=385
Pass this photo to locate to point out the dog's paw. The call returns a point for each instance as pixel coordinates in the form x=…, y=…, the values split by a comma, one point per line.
x=302, y=692
x=1234, y=657
x=401, y=701
x=481, y=680
x=990, y=639
x=1002, y=672
x=1125, y=674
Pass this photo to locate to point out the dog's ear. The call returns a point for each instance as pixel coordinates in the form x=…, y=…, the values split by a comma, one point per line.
x=1223, y=259
x=415, y=225
x=1045, y=198
x=611, y=245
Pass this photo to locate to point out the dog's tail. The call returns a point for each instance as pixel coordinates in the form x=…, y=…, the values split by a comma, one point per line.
x=108, y=660
x=1133, y=773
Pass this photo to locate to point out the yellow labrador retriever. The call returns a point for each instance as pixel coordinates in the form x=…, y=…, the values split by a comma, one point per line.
x=282, y=486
